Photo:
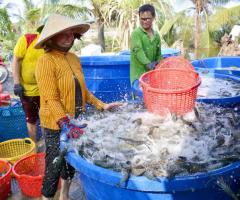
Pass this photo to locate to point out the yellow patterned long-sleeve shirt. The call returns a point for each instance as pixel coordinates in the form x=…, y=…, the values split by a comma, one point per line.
x=55, y=73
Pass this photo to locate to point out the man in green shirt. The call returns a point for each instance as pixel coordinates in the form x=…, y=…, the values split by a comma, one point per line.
x=145, y=44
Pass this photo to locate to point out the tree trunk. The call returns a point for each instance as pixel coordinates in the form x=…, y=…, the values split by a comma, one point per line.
x=197, y=27
x=101, y=38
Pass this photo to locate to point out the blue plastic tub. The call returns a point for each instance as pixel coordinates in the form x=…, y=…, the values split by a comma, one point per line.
x=166, y=52
x=102, y=184
x=222, y=65
x=226, y=101
x=107, y=77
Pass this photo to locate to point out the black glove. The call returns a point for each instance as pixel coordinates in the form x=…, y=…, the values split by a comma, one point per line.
x=18, y=90
x=152, y=65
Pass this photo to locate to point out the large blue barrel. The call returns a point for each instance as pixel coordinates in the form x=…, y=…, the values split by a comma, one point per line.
x=166, y=52
x=224, y=65
x=224, y=101
x=107, y=77
x=103, y=184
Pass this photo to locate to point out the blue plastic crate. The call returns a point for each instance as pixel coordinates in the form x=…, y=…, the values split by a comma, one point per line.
x=12, y=122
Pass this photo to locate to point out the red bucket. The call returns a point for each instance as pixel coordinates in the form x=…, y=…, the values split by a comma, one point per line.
x=5, y=179
x=29, y=172
x=170, y=90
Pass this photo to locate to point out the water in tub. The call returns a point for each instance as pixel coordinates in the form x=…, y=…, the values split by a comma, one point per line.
x=218, y=87
x=141, y=143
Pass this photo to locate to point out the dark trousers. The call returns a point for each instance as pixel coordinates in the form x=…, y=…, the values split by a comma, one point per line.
x=55, y=164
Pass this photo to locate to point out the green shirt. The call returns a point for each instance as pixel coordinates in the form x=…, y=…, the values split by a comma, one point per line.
x=144, y=50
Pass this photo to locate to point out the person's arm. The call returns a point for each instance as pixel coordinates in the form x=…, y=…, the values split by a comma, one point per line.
x=137, y=49
x=47, y=84
x=18, y=55
x=16, y=68
x=91, y=99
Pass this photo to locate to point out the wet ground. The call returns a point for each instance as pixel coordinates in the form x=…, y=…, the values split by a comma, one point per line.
x=75, y=191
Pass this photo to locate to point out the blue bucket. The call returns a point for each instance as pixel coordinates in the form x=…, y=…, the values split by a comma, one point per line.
x=102, y=184
x=222, y=65
x=166, y=52
x=107, y=77
x=12, y=122
x=225, y=102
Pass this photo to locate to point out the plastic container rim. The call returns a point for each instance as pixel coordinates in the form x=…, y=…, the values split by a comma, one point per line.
x=180, y=183
x=9, y=170
x=169, y=91
x=33, y=146
x=24, y=176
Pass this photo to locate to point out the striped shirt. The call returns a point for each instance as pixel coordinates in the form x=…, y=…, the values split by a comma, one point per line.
x=55, y=78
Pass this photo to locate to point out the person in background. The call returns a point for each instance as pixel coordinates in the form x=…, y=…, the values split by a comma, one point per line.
x=63, y=95
x=25, y=57
x=145, y=44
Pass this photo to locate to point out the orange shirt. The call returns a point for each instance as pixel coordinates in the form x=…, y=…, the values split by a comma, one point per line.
x=55, y=78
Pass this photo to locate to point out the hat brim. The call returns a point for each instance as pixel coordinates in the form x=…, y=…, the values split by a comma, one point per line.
x=81, y=29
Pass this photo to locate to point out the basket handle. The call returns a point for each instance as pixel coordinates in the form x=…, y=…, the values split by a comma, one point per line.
x=28, y=140
x=15, y=102
x=7, y=110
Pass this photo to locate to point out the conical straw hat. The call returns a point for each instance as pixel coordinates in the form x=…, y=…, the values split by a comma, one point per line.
x=57, y=24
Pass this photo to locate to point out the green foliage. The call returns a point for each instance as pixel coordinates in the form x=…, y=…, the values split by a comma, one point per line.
x=170, y=37
x=218, y=34
x=122, y=17
x=5, y=24
x=224, y=16
x=7, y=35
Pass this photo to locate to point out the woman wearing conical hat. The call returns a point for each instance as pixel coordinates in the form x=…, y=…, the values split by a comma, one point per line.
x=63, y=95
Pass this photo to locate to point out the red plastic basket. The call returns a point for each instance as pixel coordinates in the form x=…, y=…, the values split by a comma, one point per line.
x=5, y=179
x=175, y=62
x=29, y=173
x=170, y=90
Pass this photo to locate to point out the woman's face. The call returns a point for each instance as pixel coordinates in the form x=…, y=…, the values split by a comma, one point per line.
x=146, y=20
x=64, y=39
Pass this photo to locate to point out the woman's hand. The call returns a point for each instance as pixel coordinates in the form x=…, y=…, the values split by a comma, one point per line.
x=113, y=105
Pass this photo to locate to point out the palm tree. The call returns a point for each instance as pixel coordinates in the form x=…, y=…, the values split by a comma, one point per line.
x=202, y=38
x=7, y=34
x=84, y=10
x=126, y=18
x=202, y=7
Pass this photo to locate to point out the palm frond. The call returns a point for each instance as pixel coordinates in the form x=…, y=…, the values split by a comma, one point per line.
x=224, y=16
x=169, y=24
